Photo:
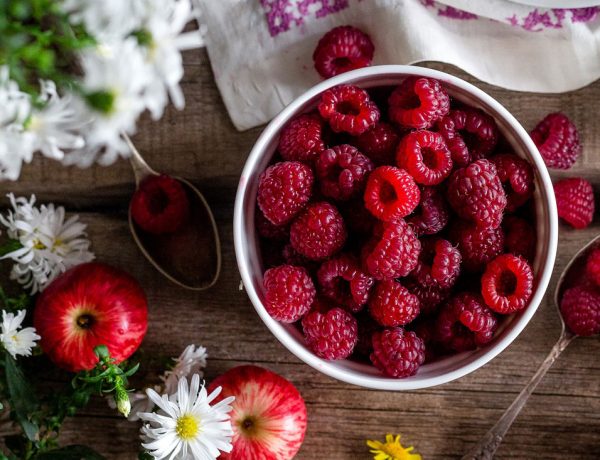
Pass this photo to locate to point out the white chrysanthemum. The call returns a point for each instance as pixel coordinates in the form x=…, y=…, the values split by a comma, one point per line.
x=16, y=146
x=15, y=341
x=191, y=361
x=120, y=71
x=187, y=427
x=55, y=125
x=49, y=244
x=166, y=39
x=107, y=19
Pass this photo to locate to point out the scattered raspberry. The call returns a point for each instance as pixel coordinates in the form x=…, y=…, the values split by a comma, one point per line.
x=431, y=215
x=430, y=297
x=397, y=353
x=348, y=109
x=593, y=266
x=465, y=322
x=268, y=230
x=519, y=237
x=160, y=205
x=342, y=49
x=392, y=252
x=478, y=246
x=517, y=177
x=438, y=265
x=318, y=232
x=425, y=156
x=557, y=140
x=379, y=143
x=575, y=201
x=330, y=335
x=342, y=280
x=507, y=284
x=289, y=293
x=476, y=194
x=418, y=103
x=283, y=190
x=580, y=308
x=367, y=326
x=342, y=171
x=392, y=304
x=391, y=193
x=470, y=135
x=302, y=138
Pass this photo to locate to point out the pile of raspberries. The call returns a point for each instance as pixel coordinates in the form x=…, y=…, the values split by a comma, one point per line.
x=396, y=226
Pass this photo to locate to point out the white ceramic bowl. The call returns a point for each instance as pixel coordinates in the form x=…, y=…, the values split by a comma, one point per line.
x=363, y=374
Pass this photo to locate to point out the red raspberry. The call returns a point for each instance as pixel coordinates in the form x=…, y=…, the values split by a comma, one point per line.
x=289, y=293
x=517, y=177
x=519, y=237
x=270, y=231
x=391, y=193
x=430, y=297
x=593, y=266
x=575, y=201
x=318, y=232
x=470, y=135
x=478, y=246
x=507, y=284
x=557, y=140
x=330, y=335
x=438, y=265
x=348, y=109
x=392, y=252
x=342, y=49
x=367, y=326
x=160, y=205
x=418, y=103
x=379, y=143
x=342, y=280
x=302, y=138
x=359, y=220
x=425, y=156
x=342, y=171
x=476, y=194
x=431, y=216
x=392, y=304
x=283, y=190
x=580, y=308
x=292, y=257
x=397, y=353
x=465, y=322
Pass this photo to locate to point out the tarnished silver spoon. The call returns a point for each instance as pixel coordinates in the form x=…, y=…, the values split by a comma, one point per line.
x=191, y=256
x=489, y=443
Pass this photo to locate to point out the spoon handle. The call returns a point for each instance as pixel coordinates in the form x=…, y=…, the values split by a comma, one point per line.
x=140, y=168
x=489, y=443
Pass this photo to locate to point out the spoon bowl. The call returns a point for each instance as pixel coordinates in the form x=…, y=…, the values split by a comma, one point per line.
x=191, y=256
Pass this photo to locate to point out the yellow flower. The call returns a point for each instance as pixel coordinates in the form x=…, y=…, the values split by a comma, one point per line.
x=391, y=449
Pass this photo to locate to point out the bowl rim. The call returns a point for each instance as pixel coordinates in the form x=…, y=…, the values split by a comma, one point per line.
x=327, y=367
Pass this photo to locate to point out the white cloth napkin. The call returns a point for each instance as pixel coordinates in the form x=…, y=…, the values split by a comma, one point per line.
x=261, y=50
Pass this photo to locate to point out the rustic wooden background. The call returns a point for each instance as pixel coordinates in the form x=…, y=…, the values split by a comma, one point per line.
x=562, y=419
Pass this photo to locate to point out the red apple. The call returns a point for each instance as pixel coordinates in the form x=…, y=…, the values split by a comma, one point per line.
x=91, y=304
x=268, y=417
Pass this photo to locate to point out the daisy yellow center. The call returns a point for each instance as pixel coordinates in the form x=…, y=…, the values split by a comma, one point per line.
x=187, y=427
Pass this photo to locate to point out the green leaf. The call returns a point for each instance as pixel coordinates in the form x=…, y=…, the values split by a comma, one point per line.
x=74, y=452
x=10, y=246
x=102, y=101
x=22, y=397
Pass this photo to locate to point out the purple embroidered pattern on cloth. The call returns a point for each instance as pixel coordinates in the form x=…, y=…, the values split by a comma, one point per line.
x=537, y=21
x=283, y=14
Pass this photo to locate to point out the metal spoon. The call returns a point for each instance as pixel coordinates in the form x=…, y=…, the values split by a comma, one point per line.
x=489, y=443
x=190, y=257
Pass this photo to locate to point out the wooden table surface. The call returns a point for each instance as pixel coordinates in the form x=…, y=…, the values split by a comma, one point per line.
x=562, y=419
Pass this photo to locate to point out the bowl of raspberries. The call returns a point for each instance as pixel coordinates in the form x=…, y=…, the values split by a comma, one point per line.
x=395, y=227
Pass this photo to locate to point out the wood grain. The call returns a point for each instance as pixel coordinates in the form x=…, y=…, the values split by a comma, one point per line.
x=562, y=419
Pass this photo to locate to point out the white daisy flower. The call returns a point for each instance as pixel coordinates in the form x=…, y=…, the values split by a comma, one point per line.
x=15, y=341
x=119, y=71
x=187, y=427
x=165, y=41
x=191, y=361
x=49, y=244
x=55, y=125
